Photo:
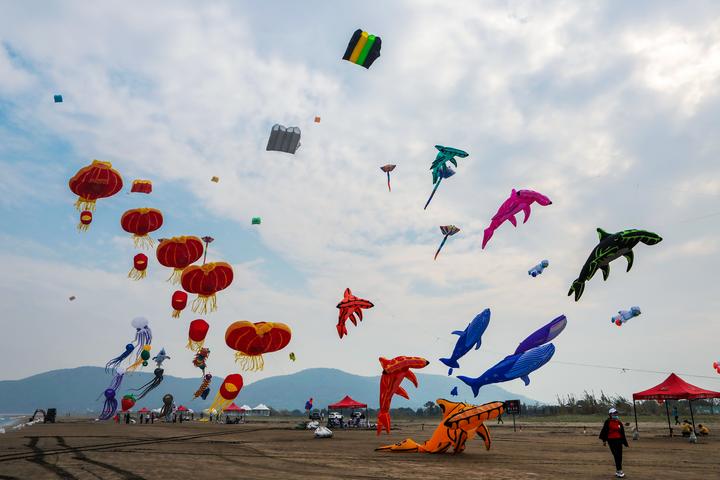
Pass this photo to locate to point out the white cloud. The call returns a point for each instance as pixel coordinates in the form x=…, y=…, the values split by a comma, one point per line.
x=543, y=96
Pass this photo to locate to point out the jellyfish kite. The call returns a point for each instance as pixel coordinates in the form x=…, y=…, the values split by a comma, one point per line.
x=448, y=231
x=252, y=340
x=227, y=392
x=91, y=183
x=143, y=334
x=610, y=247
x=292, y=356
x=716, y=366
x=111, y=403
x=351, y=308
x=196, y=334
x=387, y=169
x=394, y=371
x=204, y=390
x=167, y=407
x=151, y=385
x=140, y=222
x=518, y=201
x=178, y=253
x=440, y=168
x=205, y=281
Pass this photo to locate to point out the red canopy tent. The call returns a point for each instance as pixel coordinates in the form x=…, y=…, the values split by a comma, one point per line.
x=674, y=388
x=144, y=410
x=349, y=403
x=182, y=408
x=234, y=408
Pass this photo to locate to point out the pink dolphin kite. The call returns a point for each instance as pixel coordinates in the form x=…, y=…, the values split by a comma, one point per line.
x=520, y=200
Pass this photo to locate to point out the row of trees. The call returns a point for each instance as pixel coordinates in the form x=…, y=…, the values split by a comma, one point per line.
x=587, y=404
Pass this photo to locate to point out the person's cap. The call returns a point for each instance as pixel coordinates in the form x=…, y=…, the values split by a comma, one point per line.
x=611, y=411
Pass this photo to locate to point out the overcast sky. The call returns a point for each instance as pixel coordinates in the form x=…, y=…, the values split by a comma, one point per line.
x=611, y=109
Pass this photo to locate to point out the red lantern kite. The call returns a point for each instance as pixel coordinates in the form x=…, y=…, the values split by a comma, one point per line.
x=140, y=222
x=251, y=340
x=140, y=264
x=141, y=186
x=205, y=281
x=178, y=253
x=92, y=182
x=228, y=392
x=179, y=301
x=85, y=220
x=196, y=334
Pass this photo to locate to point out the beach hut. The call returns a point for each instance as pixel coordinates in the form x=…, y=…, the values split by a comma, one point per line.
x=348, y=403
x=261, y=410
x=248, y=409
x=673, y=388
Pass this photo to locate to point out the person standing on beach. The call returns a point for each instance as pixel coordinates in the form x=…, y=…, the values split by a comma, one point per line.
x=613, y=434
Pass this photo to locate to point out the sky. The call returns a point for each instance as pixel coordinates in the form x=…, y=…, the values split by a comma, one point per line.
x=609, y=108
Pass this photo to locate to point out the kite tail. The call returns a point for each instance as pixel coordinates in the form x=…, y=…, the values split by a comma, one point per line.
x=341, y=329
x=473, y=383
x=112, y=364
x=109, y=408
x=577, y=287
x=433, y=193
x=487, y=235
x=148, y=387
x=383, y=422
x=450, y=363
x=440, y=247
x=117, y=380
x=389, y=189
x=143, y=337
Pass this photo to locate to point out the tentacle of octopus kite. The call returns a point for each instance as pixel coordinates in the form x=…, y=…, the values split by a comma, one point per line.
x=111, y=403
x=152, y=384
x=460, y=423
x=394, y=372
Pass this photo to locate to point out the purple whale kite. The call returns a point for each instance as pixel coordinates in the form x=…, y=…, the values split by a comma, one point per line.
x=530, y=355
x=519, y=201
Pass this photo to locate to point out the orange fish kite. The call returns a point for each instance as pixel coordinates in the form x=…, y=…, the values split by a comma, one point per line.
x=394, y=372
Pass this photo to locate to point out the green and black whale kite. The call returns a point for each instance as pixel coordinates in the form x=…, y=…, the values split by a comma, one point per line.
x=610, y=247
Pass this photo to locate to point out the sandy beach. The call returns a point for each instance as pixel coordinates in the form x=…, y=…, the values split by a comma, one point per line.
x=83, y=449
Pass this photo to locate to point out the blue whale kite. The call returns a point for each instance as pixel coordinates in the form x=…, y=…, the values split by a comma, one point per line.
x=512, y=367
x=531, y=354
x=472, y=335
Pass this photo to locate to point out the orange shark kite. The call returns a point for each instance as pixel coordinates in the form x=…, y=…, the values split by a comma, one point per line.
x=460, y=423
x=394, y=372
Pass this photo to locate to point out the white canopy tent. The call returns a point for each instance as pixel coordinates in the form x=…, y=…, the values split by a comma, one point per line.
x=261, y=410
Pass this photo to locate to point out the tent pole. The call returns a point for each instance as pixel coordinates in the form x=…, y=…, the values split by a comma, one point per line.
x=635, y=412
x=667, y=410
x=691, y=414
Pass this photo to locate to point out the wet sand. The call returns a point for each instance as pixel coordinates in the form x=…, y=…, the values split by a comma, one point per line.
x=81, y=449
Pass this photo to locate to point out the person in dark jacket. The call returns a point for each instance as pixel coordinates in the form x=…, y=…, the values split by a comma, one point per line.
x=613, y=434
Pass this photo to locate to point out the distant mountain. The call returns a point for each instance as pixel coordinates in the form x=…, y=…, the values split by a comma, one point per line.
x=79, y=390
